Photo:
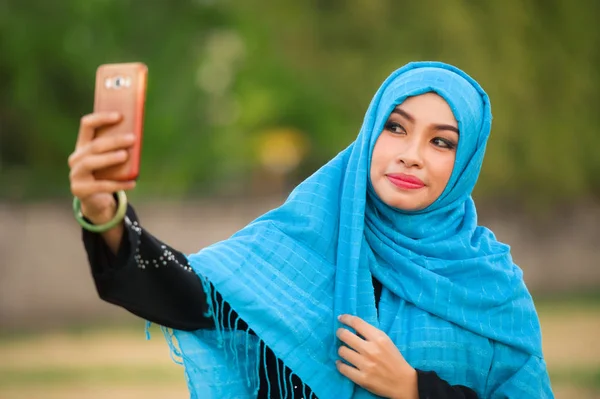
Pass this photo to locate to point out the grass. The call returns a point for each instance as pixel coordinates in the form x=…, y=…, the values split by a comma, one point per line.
x=117, y=375
x=117, y=362
x=587, y=378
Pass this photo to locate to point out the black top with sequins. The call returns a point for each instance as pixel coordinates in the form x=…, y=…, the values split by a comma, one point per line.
x=153, y=281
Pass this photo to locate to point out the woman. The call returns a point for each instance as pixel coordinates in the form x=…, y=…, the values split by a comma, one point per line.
x=372, y=279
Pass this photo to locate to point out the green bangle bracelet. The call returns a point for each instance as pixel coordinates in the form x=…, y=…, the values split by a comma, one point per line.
x=119, y=215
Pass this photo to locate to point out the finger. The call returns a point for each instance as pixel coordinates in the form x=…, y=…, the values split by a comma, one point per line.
x=350, y=372
x=101, y=145
x=111, y=143
x=352, y=340
x=83, y=190
x=89, y=123
x=351, y=356
x=360, y=326
x=93, y=162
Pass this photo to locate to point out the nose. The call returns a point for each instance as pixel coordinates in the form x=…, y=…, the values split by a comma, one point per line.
x=411, y=154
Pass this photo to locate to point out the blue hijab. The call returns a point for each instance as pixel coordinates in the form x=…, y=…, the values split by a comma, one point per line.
x=453, y=301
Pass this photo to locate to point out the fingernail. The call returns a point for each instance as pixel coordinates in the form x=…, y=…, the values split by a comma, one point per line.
x=114, y=115
x=129, y=136
x=340, y=317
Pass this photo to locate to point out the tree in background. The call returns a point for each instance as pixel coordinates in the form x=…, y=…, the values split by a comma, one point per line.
x=224, y=74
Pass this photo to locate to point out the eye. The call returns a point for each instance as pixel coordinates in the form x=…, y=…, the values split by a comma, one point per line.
x=395, y=127
x=443, y=143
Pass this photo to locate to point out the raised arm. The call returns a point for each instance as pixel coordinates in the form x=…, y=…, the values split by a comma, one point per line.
x=147, y=277
x=130, y=267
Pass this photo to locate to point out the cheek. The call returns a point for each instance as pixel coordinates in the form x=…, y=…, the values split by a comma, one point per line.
x=383, y=151
x=443, y=169
x=377, y=158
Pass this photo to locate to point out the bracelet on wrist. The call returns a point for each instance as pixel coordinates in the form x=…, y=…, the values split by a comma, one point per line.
x=121, y=198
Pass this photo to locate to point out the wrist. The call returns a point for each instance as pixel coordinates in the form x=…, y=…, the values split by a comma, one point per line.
x=100, y=216
x=409, y=386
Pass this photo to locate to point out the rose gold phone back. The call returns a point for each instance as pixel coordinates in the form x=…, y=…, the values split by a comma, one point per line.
x=122, y=88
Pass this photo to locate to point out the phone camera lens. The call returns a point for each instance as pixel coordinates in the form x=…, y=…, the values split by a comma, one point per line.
x=117, y=82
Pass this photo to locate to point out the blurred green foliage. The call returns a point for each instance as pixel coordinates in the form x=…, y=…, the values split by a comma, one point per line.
x=222, y=72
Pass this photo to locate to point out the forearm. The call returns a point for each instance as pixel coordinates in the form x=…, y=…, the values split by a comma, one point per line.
x=430, y=385
x=135, y=277
x=112, y=237
x=411, y=389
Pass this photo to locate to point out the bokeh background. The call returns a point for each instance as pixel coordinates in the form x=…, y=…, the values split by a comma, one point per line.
x=247, y=98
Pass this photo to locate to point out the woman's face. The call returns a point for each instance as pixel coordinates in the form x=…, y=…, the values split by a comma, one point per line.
x=414, y=155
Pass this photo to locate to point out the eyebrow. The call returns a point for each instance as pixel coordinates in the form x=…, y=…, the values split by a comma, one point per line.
x=411, y=119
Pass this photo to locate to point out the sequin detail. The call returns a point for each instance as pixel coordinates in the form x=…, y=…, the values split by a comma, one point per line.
x=166, y=257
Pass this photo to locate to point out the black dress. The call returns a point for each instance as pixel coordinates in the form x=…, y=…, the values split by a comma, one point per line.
x=153, y=281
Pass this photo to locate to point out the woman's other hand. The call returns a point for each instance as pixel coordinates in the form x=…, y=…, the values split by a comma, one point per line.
x=374, y=362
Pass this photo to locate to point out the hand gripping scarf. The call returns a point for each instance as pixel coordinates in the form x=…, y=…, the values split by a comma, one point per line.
x=453, y=301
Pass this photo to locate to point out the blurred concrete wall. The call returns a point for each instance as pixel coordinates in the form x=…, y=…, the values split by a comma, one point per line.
x=45, y=280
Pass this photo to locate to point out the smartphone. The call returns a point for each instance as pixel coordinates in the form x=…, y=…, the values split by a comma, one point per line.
x=122, y=88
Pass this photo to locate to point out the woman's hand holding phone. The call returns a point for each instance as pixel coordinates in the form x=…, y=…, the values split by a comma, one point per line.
x=91, y=155
x=108, y=149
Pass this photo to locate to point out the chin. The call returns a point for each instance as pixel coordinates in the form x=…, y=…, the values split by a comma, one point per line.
x=404, y=204
x=409, y=202
x=404, y=201
x=409, y=207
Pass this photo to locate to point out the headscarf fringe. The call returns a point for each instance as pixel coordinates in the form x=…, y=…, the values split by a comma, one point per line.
x=176, y=354
x=215, y=309
x=229, y=342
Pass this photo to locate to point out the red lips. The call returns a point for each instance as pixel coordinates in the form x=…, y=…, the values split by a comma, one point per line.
x=405, y=181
